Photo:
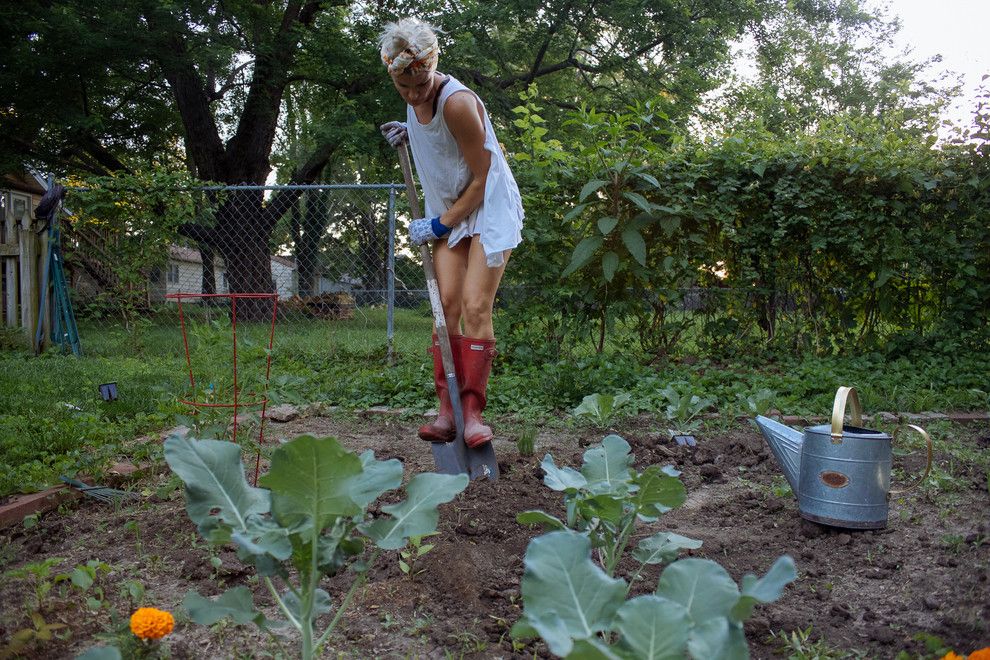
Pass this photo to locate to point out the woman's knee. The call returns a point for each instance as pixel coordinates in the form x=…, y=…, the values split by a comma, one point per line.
x=477, y=312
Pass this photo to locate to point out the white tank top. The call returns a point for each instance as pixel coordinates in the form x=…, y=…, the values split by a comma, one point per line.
x=443, y=174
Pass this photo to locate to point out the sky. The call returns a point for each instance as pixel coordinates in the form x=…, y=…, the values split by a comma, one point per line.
x=955, y=29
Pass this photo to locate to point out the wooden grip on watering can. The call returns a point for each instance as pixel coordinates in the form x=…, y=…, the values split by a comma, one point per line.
x=842, y=396
x=928, y=465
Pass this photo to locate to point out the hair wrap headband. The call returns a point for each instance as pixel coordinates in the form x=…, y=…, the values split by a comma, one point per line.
x=412, y=58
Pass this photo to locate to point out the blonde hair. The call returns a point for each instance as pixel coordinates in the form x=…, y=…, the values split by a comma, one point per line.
x=409, y=43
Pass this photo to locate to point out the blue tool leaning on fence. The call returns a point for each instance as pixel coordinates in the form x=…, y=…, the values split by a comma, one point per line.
x=64, y=330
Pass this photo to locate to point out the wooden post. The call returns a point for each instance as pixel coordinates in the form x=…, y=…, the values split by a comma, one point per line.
x=44, y=248
x=8, y=252
x=29, y=279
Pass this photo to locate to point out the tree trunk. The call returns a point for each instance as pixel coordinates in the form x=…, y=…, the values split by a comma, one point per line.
x=209, y=283
x=243, y=235
x=314, y=225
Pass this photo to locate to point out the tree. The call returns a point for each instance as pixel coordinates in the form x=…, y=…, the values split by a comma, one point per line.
x=122, y=81
x=819, y=59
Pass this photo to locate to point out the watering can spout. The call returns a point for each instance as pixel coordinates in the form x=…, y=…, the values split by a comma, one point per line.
x=785, y=443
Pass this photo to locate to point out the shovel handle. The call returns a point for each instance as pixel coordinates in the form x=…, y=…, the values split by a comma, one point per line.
x=439, y=321
x=843, y=396
x=928, y=464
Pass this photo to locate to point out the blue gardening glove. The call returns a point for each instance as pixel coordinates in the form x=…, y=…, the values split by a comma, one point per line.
x=395, y=133
x=427, y=230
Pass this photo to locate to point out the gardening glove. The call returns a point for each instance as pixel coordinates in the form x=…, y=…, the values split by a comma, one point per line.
x=395, y=133
x=426, y=230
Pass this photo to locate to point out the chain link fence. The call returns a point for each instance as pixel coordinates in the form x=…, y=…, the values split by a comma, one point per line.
x=327, y=251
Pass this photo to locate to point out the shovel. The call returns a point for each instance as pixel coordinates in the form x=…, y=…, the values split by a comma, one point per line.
x=449, y=457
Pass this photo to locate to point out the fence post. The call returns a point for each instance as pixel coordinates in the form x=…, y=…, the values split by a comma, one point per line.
x=29, y=278
x=390, y=276
x=9, y=251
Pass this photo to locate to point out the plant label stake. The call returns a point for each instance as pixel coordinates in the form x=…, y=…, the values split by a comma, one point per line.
x=450, y=457
x=108, y=391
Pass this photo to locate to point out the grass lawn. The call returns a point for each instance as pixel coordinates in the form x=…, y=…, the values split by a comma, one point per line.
x=54, y=422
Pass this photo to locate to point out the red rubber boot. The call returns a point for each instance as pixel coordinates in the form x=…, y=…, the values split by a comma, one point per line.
x=476, y=358
x=443, y=429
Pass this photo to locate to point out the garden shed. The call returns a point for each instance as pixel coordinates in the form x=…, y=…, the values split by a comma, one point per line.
x=20, y=248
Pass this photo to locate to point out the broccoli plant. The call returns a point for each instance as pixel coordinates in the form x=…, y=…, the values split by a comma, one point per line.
x=682, y=410
x=601, y=409
x=607, y=498
x=312, y=516
x=697, y=610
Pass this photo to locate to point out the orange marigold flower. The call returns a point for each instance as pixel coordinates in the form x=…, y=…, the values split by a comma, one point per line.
x=952, y=656
x=151, y=623
x=982, y=654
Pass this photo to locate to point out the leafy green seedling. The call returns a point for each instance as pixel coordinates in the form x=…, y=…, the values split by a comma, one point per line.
x=608, y=497
x=697, y=610
x=682, y=410
x=601, y=409
x=526, y=442
x=23, y=639
x=409, y=556
x=40, y=572
x=756, y=403
x=311, y=517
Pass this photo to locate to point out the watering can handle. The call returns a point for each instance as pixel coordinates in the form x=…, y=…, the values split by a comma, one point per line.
x=928, y=465
x=843, y=395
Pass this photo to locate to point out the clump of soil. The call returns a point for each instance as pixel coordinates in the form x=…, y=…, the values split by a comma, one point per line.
x=871, y=591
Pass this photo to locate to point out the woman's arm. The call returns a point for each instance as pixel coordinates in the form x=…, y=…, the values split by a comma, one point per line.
x=463, y=117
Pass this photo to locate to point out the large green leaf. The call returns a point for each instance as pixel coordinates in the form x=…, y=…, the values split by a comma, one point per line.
x=540, y=518
x=604, y=507
x=658, y=492
x=563, y=479
x=702, y=586
x=596, y=649
x=638, y=200
x=765, y=589
x=418, y=514
x=376, y=478
x=214, y=476
x=610, y=263
x=263, y=536
x=607, y=224
x=589, y=188
x=101, y=653
x=653, y=628
x=583, y=253
x=310, y=480
x=236, y=603
x=566, y=596
x=321, y=604
x=663, y=547
x=607, y=466
x=718, y=639
x=636, y=244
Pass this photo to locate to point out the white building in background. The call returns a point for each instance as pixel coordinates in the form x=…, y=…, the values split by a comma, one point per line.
x=184, y=274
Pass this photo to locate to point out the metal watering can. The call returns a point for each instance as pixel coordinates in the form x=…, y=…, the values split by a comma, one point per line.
x=840, y=473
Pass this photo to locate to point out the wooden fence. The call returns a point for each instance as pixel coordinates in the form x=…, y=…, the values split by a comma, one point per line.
x=23, y=253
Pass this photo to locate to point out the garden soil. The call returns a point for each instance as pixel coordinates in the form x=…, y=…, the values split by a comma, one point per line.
x=867, y=592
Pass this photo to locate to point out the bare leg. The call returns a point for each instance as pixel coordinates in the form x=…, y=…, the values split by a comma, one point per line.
x=451, y=265
x=478, y=292
x=478, y=344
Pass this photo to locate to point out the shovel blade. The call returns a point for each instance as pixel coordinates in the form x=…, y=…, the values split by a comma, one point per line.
x=482, y=462
x=446, y=459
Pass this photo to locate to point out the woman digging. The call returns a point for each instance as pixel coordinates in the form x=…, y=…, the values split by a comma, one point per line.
x=473, y=213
